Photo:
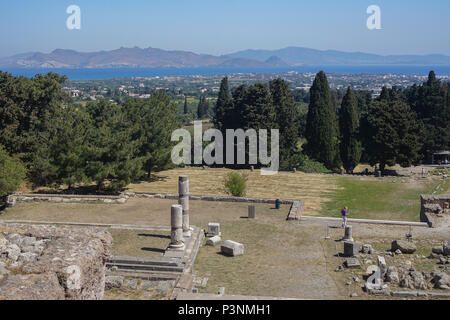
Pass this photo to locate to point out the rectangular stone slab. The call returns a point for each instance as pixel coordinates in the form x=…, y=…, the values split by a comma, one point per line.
x=232, y=248
x=352, y=263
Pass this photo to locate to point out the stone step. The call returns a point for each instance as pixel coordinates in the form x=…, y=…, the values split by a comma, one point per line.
x=141, y=267
x=145, y=275
x=144, y=261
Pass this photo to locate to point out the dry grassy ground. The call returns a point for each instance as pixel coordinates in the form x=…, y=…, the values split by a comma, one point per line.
x=313, y=188
x=381, y=237
x=282, y=259
x=139, y=243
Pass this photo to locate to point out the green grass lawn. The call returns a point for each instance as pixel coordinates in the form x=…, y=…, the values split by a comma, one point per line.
x=384, y=199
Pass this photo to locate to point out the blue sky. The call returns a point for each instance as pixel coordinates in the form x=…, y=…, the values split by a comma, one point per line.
x=219, y=27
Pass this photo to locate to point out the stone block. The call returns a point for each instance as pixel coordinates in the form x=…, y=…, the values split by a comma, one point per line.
x=382, y=265
x=404, y=294
x=213, y=229
x=113, y=282
x=446, y=249
x=438, y=250
x=404, y=246
x=232, y=248
x=214, y=241
x=351, y=248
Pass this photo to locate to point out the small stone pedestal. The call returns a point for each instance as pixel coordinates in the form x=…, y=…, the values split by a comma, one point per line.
x=348, y=236
x=351, y=249
x=213, y=230
x=251, y=212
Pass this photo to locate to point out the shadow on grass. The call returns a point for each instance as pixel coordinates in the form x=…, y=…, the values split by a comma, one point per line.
x=220, y=253
x=153, y=250
x=80, y=190
x=153, y=178
x=160, y=236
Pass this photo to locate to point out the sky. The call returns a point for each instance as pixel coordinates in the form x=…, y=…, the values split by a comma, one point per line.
x=226, y=26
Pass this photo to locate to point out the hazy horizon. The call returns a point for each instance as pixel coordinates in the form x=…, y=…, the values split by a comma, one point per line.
x=203, y=53
x=217, y=28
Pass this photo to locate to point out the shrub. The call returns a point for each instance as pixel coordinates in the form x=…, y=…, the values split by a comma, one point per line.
x=12, y=173
x=236, y=184
x=311, y=166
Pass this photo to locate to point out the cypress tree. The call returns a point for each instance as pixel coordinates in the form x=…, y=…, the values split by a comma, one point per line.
x=185, y=111
x=429, y=101
x=287, y=121
x=223, y=114
x=321, y=126
x=203, y=108
x=350, y=145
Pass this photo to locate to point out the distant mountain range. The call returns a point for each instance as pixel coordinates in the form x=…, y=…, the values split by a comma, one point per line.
x=158, y=58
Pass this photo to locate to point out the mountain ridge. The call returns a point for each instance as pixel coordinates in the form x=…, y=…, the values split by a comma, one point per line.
x=158, y=58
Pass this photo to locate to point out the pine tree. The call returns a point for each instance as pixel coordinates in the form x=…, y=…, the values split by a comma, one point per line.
x=350, y=145
x=258, y=110
x=287, y=122
x=321, y=126
x=111, y=150
x=59, y=156
x=394, y=136
x=155, y=121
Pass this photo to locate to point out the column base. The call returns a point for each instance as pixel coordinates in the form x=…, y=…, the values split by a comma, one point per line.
x=176, y=247
x=187, y=234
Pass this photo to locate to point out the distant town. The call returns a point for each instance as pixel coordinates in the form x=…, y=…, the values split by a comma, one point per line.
x=208, y=85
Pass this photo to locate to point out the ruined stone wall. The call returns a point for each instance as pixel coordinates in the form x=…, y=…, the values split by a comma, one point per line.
x=433, y=207
x=52, y=263
x=11, y=200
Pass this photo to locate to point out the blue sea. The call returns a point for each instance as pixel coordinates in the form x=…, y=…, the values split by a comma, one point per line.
x=118, y=73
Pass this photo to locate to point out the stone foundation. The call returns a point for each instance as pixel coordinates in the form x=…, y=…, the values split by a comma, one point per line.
x=52, y=263
x=433, y=208
x=56, y=198
x=295, y=212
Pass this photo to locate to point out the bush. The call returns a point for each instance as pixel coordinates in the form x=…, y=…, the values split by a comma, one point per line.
x=311, y=166
x=12, y=173
x=236, y=184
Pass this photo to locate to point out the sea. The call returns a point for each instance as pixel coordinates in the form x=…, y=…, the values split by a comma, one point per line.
x=121, y=73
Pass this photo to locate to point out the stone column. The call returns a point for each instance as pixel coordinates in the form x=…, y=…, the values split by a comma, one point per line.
x=348, y=234
x=176, y=235
x=183, y=200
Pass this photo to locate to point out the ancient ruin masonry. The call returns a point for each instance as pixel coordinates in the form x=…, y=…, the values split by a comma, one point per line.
x=52, y=263
x=433, y=209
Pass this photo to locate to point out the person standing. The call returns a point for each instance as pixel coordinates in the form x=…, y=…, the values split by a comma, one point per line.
x=344, y=213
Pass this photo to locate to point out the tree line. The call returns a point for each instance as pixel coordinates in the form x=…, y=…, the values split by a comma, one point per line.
x=342, y=129
x=112, y=144
x=103, y=142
